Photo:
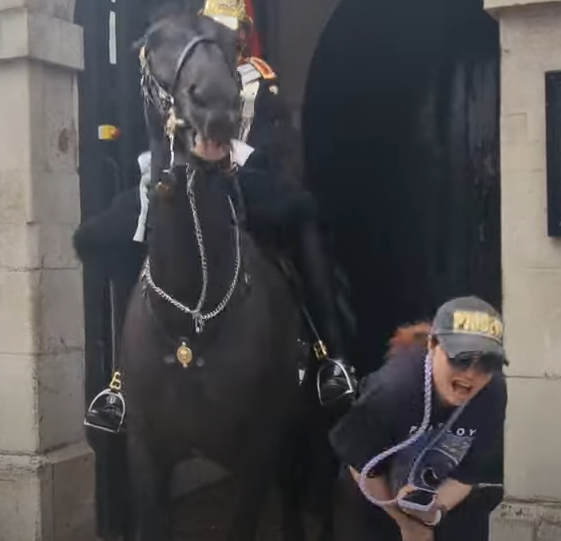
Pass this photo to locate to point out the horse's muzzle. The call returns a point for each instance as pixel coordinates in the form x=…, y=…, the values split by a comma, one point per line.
x=220, y=127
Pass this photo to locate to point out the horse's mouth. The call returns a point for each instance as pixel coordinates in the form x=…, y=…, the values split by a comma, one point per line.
x=209, y=149
x=212, y=133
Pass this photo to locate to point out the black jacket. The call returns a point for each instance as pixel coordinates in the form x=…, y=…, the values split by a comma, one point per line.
x=390, y=409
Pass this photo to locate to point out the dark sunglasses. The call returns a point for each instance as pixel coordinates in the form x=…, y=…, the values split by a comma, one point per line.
x=486, y=363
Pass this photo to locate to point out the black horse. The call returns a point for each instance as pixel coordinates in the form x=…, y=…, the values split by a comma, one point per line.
x=210, y=349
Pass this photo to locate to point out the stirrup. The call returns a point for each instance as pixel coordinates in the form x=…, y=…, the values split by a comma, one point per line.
x=107, y=396
x=345, y=372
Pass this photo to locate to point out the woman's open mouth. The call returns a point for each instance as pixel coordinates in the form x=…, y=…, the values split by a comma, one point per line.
x=462, y=389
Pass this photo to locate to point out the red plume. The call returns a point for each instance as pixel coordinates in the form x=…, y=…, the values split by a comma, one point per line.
x=253, y=45
x=408, y=337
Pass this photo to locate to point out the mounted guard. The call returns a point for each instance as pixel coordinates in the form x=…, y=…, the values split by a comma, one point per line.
x=265, y=124
x=275, y=208
x=210, y=347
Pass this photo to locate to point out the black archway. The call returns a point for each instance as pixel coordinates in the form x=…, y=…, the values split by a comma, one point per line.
x=400, y=122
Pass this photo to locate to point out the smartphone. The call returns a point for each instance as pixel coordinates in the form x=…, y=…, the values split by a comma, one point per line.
x=418, y=500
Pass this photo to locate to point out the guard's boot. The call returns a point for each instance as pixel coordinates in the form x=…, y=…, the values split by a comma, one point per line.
x=336, y=382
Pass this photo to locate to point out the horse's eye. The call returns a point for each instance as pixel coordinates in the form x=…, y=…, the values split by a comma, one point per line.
x=196, y=96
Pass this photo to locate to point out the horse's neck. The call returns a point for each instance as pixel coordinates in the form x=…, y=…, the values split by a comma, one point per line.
x=175, y=250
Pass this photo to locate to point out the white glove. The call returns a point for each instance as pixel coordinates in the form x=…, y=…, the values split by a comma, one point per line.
x=241, y=152
x=144, y=162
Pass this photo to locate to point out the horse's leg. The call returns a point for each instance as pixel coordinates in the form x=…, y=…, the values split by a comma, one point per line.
x=291, y=525
x=327, y=518
x=326, y=471
x=149, y=480
x=290, y=485
x=254, y=478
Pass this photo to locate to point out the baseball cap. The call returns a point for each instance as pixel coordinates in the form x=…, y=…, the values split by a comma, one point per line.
x=469, y=325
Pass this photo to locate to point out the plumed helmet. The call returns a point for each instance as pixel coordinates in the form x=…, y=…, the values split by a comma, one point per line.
x=228, y=12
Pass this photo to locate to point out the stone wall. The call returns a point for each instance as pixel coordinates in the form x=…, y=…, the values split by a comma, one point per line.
x=300, y=25
x=46, y=470
x=531, y=45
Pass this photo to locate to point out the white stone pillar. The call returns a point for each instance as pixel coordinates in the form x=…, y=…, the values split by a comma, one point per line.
x=530, y=46
x=46, y=469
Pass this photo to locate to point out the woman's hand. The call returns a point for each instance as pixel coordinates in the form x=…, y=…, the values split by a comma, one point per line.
x=415, y=531
x=429, y=516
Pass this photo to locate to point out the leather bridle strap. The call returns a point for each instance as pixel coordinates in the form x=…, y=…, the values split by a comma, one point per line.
x=184, y=56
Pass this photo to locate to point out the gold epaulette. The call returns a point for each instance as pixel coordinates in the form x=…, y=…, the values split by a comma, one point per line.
x=263, y=68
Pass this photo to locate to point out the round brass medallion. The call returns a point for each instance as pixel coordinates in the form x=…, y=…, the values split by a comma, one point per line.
x=184, y=355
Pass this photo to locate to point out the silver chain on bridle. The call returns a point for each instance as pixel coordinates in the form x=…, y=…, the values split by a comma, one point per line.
x=197, y=312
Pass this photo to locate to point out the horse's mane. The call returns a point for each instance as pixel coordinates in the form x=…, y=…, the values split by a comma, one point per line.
x=408, y=338
x=174, y=9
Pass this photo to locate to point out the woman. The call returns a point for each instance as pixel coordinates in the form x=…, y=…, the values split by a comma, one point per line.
x=425, y=436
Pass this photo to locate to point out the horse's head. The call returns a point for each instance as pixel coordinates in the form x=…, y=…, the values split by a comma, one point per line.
x=190, y=83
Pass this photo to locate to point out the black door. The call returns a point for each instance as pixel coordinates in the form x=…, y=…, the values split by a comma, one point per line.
x=401, y=130
x=109, y=95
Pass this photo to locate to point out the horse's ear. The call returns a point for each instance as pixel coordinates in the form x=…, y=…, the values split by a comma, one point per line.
x=174, y=8
x=160, y=15
x=138, y=44
x=408, y=337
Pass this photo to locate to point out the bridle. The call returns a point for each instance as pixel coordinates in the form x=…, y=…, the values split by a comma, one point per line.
x=153, y=92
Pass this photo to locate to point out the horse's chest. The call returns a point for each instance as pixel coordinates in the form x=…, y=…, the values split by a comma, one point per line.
x=206, y=405
x=214, y=384
x=242, y=375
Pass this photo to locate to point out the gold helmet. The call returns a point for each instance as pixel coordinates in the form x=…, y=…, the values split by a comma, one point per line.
x=228, y=12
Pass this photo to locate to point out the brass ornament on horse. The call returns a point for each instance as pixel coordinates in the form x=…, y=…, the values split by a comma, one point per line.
x=184, y=355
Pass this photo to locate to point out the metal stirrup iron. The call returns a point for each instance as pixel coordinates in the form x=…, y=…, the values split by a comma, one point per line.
x=109, y=396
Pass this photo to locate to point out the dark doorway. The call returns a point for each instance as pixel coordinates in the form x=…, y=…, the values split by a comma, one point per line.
x=401, y=136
